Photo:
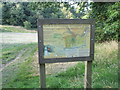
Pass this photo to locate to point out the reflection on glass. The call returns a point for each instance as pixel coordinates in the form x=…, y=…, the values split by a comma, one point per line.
x=66, y=40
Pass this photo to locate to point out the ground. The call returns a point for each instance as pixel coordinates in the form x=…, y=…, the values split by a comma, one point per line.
x=11, y=37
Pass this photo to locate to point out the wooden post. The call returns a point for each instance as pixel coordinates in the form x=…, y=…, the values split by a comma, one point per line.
x=42, y=76
x=88, y=75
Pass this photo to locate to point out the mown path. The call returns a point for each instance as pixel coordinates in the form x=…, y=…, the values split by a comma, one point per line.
x=14, y=60
x=11, y=37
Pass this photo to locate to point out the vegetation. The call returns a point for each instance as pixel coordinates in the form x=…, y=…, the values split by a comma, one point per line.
x=105, y=71
x=27, y=25
x=11, y=51
x=107, y=16
x=19, y=29
x=17, y=70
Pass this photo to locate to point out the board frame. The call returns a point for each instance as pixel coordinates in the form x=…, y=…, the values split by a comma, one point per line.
x=42, y=22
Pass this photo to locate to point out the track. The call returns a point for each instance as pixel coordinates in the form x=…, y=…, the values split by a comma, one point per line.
x=11, y=37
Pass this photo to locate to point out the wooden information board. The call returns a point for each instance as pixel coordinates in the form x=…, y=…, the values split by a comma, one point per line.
x=65, y=40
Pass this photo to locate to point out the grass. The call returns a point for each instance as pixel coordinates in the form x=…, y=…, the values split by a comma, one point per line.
x=11, y=51
x=72, y=78
x=16, y=72
x=104, y=68
x=18, y=29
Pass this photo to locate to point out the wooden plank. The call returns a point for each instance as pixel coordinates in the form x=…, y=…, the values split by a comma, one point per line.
x=42, y=76
x=88, y=75
x=92, y=41
x=66, y=21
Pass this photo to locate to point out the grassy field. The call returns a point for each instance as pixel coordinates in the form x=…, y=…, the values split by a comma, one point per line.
x=105, y=71
x=9, y=28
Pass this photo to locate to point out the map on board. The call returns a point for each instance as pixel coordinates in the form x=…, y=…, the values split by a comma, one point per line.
x=66, y=40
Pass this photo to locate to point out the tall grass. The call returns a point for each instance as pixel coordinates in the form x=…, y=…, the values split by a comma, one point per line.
x=105, y=65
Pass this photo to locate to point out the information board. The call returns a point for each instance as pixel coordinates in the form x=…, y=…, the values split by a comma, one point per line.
x=63, y=40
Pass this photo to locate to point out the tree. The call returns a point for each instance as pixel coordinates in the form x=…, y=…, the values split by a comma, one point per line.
x=107, y=16
x=6, y=12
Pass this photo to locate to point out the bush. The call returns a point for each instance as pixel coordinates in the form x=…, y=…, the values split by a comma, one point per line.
x=27, y=25
x=107, y=17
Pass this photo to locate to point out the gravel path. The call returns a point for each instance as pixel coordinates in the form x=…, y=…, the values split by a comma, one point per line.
x=11, y=37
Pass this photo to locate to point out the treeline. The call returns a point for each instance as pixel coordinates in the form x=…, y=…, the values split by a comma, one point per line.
x=25, y=12
x=107, y=15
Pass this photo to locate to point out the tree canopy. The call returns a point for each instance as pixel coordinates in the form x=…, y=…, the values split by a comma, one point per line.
x=107, y=16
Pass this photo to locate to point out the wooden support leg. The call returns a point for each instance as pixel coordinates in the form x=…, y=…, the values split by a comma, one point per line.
x=88, y=75
x=42, y=76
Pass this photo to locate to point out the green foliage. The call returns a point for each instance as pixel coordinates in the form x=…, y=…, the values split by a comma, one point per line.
x=107, y=16
x=17, y=13
x=27, y=25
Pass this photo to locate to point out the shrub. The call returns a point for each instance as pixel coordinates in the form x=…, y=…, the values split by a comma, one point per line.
x=107, y=17
x=27, y=25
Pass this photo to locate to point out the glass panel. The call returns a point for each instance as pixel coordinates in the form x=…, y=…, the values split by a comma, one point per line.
x=66, y=40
